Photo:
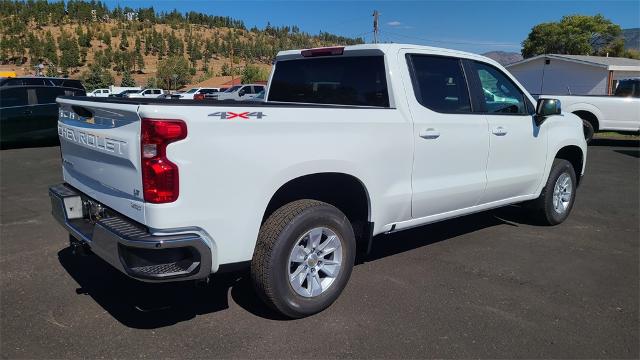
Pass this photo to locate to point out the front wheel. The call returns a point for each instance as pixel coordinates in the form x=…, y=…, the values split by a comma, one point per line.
x=557, y=197
x=303, y=258
x=588, y=129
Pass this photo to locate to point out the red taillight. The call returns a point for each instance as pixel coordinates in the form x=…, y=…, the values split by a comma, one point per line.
x=198, y=97
x=324, y=51
x=160, y=179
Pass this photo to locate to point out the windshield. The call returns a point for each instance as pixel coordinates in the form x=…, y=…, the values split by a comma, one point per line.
x=191, y=91
x=233, y=88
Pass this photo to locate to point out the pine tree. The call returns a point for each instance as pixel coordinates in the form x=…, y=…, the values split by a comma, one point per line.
x=140, y=62
x=127, y=80
x=124, y=42
x=49, y=51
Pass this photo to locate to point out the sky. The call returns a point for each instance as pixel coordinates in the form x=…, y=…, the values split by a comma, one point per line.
x=469, y=25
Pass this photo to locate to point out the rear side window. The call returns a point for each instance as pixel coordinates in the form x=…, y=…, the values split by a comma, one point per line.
x=439, y=83
x=48, y=95
x=13, y=97
x=355, y=80
x=628, y=88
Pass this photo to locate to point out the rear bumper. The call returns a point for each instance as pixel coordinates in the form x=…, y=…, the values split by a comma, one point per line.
x=127, y=245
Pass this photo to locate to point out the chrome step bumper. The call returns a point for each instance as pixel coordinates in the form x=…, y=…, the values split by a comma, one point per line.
x=127, y=245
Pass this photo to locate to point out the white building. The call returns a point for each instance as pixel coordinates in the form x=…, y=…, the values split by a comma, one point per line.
x=555, y=74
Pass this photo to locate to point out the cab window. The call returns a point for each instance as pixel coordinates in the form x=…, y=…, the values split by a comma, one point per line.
x=13, y=97
x=499, y=93
x=439, y=83
x=48, y=95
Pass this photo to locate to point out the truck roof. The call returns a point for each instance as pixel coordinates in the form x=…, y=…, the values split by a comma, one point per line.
x=393, y=48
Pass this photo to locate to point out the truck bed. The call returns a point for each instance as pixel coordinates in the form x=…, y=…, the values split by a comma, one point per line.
x=210, y=102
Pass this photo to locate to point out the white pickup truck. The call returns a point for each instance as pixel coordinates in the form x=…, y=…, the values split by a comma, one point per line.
x=351, y=142
x=146, y=93
x=619, y=112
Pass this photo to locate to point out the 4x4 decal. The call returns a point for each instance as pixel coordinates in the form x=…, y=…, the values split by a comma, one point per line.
x=225, y=115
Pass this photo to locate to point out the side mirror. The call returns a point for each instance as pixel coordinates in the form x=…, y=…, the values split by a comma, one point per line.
x=242, y=92
x=546, y=108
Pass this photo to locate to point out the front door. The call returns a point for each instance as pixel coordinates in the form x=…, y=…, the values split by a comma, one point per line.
x=518, y=147
x=451, y=142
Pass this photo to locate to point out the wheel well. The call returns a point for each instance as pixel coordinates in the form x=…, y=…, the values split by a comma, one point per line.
x=343, y=191
x=572, y=154
x=586, y=115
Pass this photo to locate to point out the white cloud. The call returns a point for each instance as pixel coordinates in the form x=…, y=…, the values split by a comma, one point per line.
x=394, y=23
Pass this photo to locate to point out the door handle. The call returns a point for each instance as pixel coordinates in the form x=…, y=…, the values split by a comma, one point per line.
x=499, y=131
x=430, y=133
x=27, y=112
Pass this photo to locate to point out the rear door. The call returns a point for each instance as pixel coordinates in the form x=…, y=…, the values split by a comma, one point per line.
x=451, y=141
x=100, y=146
x=45, y=114
x=15, y=113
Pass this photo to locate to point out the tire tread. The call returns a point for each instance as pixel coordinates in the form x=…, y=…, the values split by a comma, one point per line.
x=267, y=238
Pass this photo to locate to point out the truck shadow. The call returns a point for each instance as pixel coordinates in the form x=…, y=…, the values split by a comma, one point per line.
x=632, y=143
x=142, y=305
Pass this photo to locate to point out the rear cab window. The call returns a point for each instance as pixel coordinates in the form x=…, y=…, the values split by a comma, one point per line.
x=335, y=80
x=439, y=83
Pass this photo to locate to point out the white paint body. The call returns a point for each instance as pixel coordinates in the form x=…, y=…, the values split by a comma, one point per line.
x=242, y=93
x=147, y=93
x=231, y=168
x=189, y=96
x=99, y=93
x=613, y=112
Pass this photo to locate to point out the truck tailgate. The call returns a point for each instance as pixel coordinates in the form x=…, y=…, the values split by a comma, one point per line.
x=100, y=147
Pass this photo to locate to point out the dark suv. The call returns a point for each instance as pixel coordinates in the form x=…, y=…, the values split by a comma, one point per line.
x=28, y=109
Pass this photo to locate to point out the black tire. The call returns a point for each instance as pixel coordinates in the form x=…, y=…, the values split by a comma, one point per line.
x=543, y=207
x=588, y=130
x=278, y=236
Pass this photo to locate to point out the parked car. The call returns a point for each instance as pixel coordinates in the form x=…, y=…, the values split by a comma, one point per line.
x=124, y=93
x=99, y=93
x=146, y=93
x=194, y=92
x=119, y=89
x=259, y=97
x=28, y=109
x=293, y=187
x=241, y=92
x=619, y=112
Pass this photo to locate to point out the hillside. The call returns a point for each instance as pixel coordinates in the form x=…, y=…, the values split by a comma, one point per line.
x=87, y=40
x=503, y=57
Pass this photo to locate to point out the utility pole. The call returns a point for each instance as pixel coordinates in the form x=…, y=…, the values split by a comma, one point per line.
x=376, y=30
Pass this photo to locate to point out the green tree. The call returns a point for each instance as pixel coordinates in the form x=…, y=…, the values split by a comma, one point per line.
x=173, y=73
x=97, y=77
x=124, y=42
x=49, y=51
x=127, y=80
x=140, y=62
x=70, y=51
x=575, y=35
x=252, y=73
x=152, y=82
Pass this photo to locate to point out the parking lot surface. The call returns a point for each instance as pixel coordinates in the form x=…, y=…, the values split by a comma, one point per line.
x=490, y=285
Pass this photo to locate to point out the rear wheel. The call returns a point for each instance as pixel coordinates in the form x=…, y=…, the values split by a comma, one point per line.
x=303, y=258
x=557, y=197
